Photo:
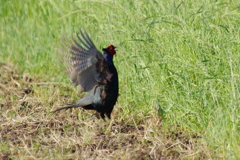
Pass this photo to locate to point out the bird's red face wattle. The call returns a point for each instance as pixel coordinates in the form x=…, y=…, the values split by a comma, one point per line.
x=111, y=50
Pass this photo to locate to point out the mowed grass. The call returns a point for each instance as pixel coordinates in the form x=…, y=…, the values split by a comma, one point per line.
x=179, y=73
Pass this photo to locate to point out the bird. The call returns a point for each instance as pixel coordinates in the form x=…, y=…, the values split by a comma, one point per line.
x=94, y=72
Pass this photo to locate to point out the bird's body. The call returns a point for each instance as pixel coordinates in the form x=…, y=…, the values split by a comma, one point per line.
x=94, y=73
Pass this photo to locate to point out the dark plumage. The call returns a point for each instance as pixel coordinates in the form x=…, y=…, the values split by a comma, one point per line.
x=94, y=73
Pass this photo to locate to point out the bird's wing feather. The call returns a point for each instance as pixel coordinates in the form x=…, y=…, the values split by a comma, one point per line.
x=85, y=64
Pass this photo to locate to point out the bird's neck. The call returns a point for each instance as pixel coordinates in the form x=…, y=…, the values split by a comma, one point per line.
x=108, y=57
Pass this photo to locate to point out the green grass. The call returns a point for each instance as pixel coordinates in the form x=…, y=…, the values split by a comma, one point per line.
x=176, y=59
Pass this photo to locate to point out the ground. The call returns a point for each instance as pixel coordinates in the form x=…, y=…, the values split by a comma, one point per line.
x=29, y=130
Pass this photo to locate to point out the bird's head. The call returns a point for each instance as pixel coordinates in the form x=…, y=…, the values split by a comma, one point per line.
x=110, y=49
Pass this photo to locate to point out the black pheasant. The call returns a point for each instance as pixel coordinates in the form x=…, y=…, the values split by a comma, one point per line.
x=94, y=73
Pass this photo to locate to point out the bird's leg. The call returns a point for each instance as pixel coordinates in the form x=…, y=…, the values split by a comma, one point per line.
x=99, y=115
x=102, y=116
x=108, y=114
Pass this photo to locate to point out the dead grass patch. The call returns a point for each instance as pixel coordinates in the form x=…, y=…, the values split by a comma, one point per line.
x=29, y=131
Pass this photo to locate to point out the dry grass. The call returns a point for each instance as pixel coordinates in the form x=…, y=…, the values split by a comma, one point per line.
x=29, y=131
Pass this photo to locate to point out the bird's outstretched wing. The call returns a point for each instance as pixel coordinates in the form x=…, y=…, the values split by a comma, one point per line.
x=85, y=64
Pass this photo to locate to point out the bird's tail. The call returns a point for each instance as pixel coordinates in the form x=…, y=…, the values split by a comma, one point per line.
x=72, y=106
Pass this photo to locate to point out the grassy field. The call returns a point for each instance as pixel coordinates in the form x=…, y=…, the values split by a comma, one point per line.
x=179, y=73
